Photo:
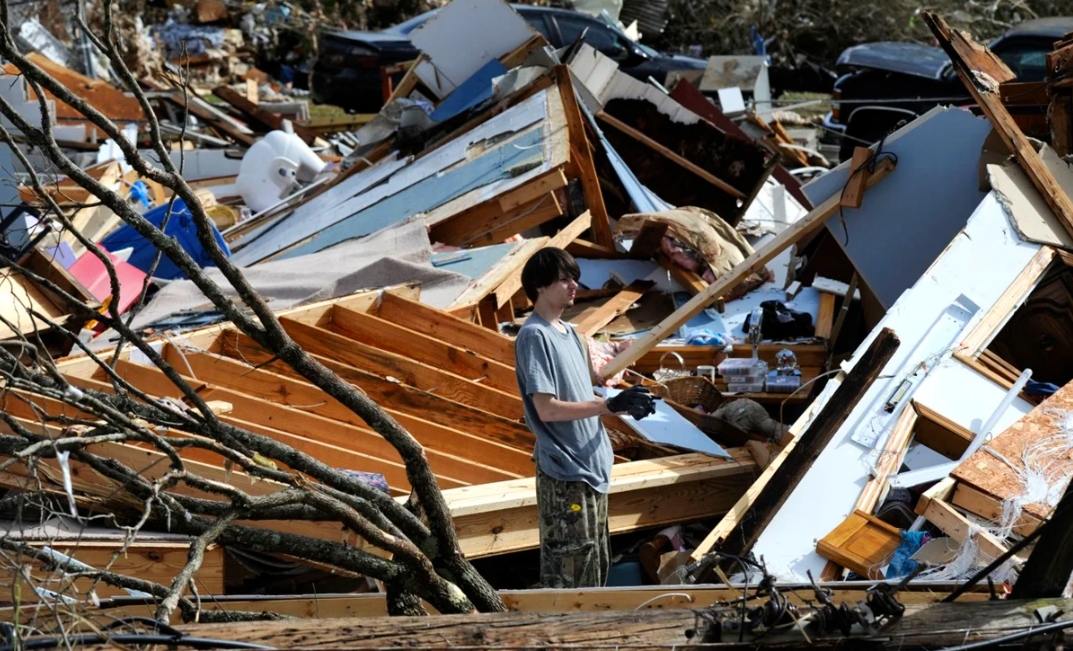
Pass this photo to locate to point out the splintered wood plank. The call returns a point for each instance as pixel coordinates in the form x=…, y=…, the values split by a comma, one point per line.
x=825, y=319
x=994, y=476
x=441, y=325
x=422, y=376
x=940, y=433
x=502, y=517
x=511, y=443
x=512, y=283
x=982, y=72
x=729, y=280
x=975, y=501
x=614, y=308
x=262, y=417
x=497, y=219
x=853, y=193
x=265, y=118
x=670, y=155
x=494, y=277
x=958, y=527
x=582, y=161
x=862, y=543
x=155, y=561
x=264, y=386
x=420, y=347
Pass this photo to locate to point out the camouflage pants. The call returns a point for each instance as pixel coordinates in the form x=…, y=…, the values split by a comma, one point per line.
x=574, y=545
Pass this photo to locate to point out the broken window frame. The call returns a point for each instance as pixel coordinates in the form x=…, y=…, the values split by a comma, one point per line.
x=973, y=351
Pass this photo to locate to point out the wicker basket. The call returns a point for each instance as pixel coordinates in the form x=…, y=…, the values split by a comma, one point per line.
x=683, y=393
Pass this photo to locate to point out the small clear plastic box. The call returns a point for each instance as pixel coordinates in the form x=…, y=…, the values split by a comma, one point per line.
x=783, y=383
x=745, y=379
x=741, y=366
x=755, y=387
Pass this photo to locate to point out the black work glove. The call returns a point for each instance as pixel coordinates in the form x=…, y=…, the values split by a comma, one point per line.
x=636, y=400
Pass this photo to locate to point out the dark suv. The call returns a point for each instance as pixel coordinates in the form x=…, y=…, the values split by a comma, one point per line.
x=884, y=83
x=347, y=71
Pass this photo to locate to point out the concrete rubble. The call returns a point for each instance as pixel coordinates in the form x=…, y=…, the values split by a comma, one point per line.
x=899, y=424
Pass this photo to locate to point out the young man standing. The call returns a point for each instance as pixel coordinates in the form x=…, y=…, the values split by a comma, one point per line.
x=573, y=453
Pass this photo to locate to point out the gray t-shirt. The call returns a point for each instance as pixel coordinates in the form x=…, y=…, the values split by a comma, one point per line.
x=550, y=361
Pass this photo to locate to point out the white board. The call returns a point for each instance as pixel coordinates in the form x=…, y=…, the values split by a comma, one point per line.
x=465, y=35
x=669, y=427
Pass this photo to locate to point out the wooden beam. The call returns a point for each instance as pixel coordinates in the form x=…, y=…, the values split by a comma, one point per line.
x=158, y=561
x=497, y=219
x=670, y=155
x=921, y=626
x=486, y=283
x=477, y=462
x=512, y=283
x=982, y=72
x=268, y=419
x=513, y=440
x=422, y=376
x=958, y=527
x=731, y=279
x=502, y=517
x=263, y=117
x=216, y=122
x=1047, y=571
x=780, y=478
x=612, y=309
x=853, y=192
x=439, y=324
x=544, y=600
x=972, y=500
x=825, y=318
x=385, y=335
x=580, y=248
x=582, y=161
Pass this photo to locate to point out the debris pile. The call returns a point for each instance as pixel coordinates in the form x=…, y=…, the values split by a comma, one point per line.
x=865, y=377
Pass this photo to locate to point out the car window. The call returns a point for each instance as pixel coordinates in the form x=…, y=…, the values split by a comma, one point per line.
x=598, y=36
x=1027, y=59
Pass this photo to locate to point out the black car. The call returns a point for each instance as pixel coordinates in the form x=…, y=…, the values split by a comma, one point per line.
x=347, y=71
x=884, y=83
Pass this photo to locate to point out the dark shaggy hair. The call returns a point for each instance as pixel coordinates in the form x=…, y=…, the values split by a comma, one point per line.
x=545, y=267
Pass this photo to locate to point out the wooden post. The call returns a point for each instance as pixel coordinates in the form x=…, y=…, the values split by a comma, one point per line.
x=792, y=466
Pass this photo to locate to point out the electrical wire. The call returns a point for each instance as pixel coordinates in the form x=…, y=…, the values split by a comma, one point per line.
x=1012, y=637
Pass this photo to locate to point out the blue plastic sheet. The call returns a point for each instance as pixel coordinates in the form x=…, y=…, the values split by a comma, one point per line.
x=180, y=226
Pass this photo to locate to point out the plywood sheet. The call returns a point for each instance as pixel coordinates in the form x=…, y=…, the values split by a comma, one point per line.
x=996, y=477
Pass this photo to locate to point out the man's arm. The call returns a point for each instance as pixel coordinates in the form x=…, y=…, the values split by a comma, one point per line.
x=551, y=409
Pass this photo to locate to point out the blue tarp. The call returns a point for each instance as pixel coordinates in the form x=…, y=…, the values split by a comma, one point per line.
x=180, y=226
